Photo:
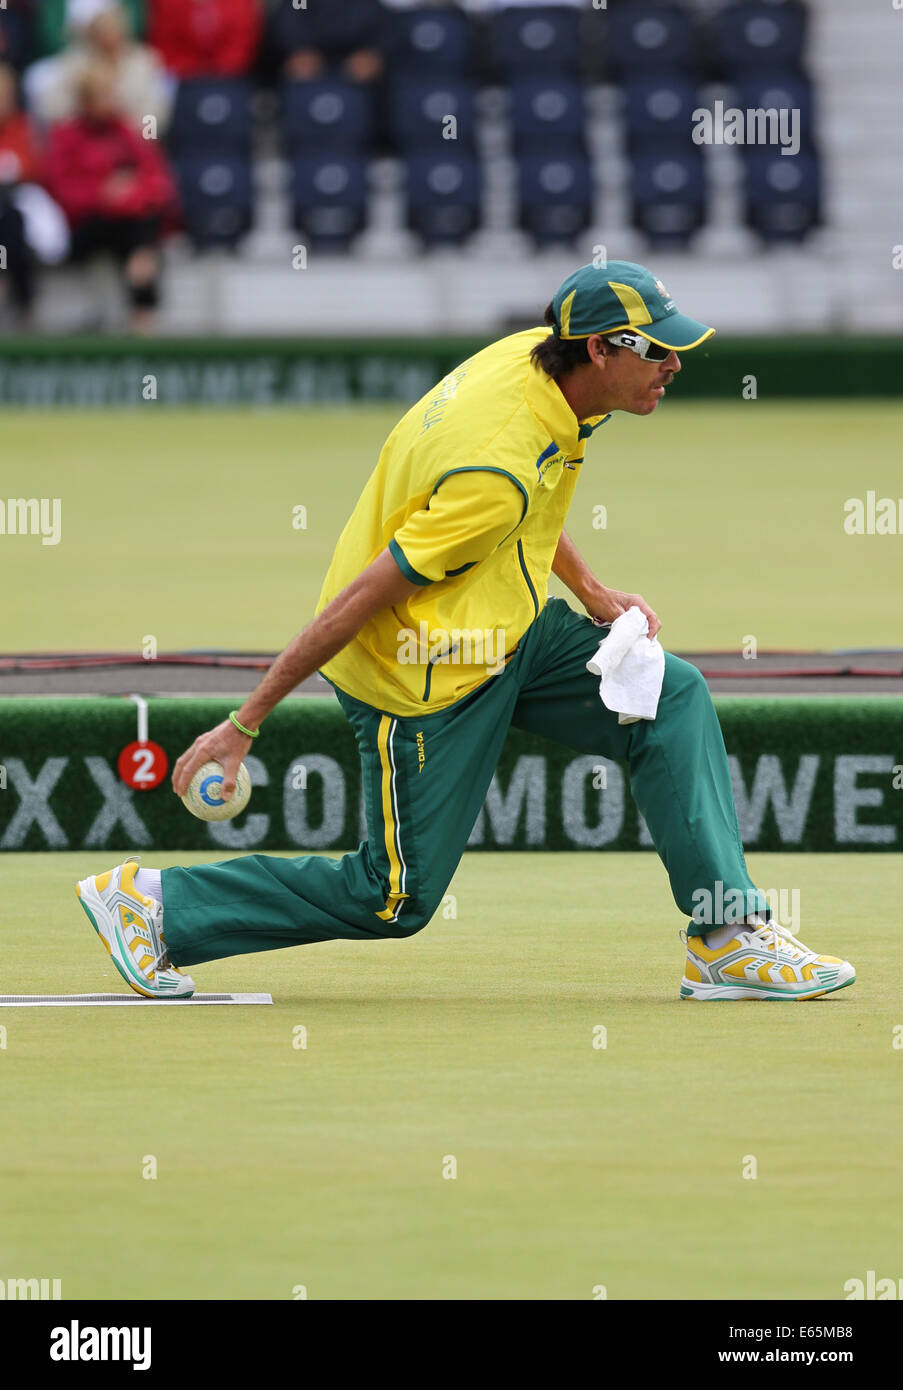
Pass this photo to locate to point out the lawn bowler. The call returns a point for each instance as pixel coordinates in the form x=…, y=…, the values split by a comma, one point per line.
x=457, y=532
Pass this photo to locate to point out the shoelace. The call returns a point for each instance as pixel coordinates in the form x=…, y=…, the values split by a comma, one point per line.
x=162, y=961
x=774, y=936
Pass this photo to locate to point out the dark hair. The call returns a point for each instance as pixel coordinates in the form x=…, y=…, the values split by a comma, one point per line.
x=556, y=356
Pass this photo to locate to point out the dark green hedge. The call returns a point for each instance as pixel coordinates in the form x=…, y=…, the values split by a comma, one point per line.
x=104, y=372
x=810, y=774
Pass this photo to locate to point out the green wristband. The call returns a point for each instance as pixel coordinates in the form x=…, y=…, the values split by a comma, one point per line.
x=251, y=733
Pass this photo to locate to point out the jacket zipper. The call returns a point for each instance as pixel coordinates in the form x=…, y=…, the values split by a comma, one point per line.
x=429, y=670
x=526, y=574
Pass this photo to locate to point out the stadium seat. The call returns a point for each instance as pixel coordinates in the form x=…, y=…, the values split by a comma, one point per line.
x=443, y=192
x=538, y=39
x=329, y=198
x=757, y=35
x=668, y=192
x=779, y=92
x=419, y=112
x=426, y=42
x=555, y=196
x=216, y=198
x=212, y=115
x=783, y=194
x=16, y=42
x=646, y=37
x=326, y=115
x=547, y=115
x=658, y=112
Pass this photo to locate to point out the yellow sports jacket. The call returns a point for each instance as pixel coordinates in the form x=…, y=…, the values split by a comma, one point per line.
x=470, y=494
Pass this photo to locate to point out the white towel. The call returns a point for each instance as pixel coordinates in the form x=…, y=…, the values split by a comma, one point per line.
x=631, y=668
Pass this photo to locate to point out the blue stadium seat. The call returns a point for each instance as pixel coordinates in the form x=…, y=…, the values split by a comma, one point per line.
x=329, y=198
x=547, y=114
x=646, y=37
x=326, y=115
x=428, y=42
x=419, y=109
x=756, y=35
x=779, y=92
x=443, y=192
x=783, y=194
x=555, y=196
x=540, y=39
x=658, y=112
x=212, y=115
x=217, y=200
x=16, y=44
x=668, y=192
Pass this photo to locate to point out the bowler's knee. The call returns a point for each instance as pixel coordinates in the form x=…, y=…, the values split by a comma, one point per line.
x=683, y=680
x=409, y=916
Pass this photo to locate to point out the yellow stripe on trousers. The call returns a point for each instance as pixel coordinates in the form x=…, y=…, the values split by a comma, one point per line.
x=389, y=822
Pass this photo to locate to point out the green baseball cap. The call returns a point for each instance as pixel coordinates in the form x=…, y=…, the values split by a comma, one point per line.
x=623, y=295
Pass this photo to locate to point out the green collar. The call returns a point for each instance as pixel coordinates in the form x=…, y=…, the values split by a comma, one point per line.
x=591, y=424
x=545, y=399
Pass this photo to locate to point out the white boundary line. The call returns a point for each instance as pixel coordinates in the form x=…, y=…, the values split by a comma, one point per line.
x=75, y=1001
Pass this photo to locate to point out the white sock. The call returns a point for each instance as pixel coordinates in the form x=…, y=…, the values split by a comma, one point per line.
x=149, y=882
x=720, y=936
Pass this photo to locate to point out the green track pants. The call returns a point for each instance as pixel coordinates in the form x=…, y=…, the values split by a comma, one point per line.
x=425, y=778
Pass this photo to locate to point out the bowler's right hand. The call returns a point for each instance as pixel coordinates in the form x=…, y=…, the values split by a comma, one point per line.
x=225, y=745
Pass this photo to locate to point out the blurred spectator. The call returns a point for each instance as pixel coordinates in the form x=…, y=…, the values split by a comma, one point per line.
x=490, y=6
x=205, y=38
x=31, y=224
x=142, y=87
x=18, y=158
x=17, y=33
x=56, y=21
x=342, y=39
x=115, y=188
x=487, y=6
x=20, y=154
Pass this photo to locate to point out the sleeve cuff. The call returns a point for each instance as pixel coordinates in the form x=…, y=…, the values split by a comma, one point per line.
x=406, y=568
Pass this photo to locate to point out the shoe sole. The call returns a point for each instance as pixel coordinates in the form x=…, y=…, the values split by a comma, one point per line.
x=86, y=886
x=691, y=990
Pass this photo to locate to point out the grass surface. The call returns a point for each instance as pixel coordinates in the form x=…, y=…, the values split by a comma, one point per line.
x=575, y=1166
x=728, y=517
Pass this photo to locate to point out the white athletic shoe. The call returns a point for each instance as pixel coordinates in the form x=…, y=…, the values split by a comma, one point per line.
x=763, y=961
x=130, y=925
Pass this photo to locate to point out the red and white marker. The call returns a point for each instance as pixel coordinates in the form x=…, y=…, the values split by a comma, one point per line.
x=142, y=765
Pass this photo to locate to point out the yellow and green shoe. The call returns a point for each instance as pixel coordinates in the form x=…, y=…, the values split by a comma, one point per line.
x=763, y=961
x=130, y=925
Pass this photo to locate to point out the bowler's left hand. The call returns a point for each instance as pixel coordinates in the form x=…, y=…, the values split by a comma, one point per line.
x=605, y=605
